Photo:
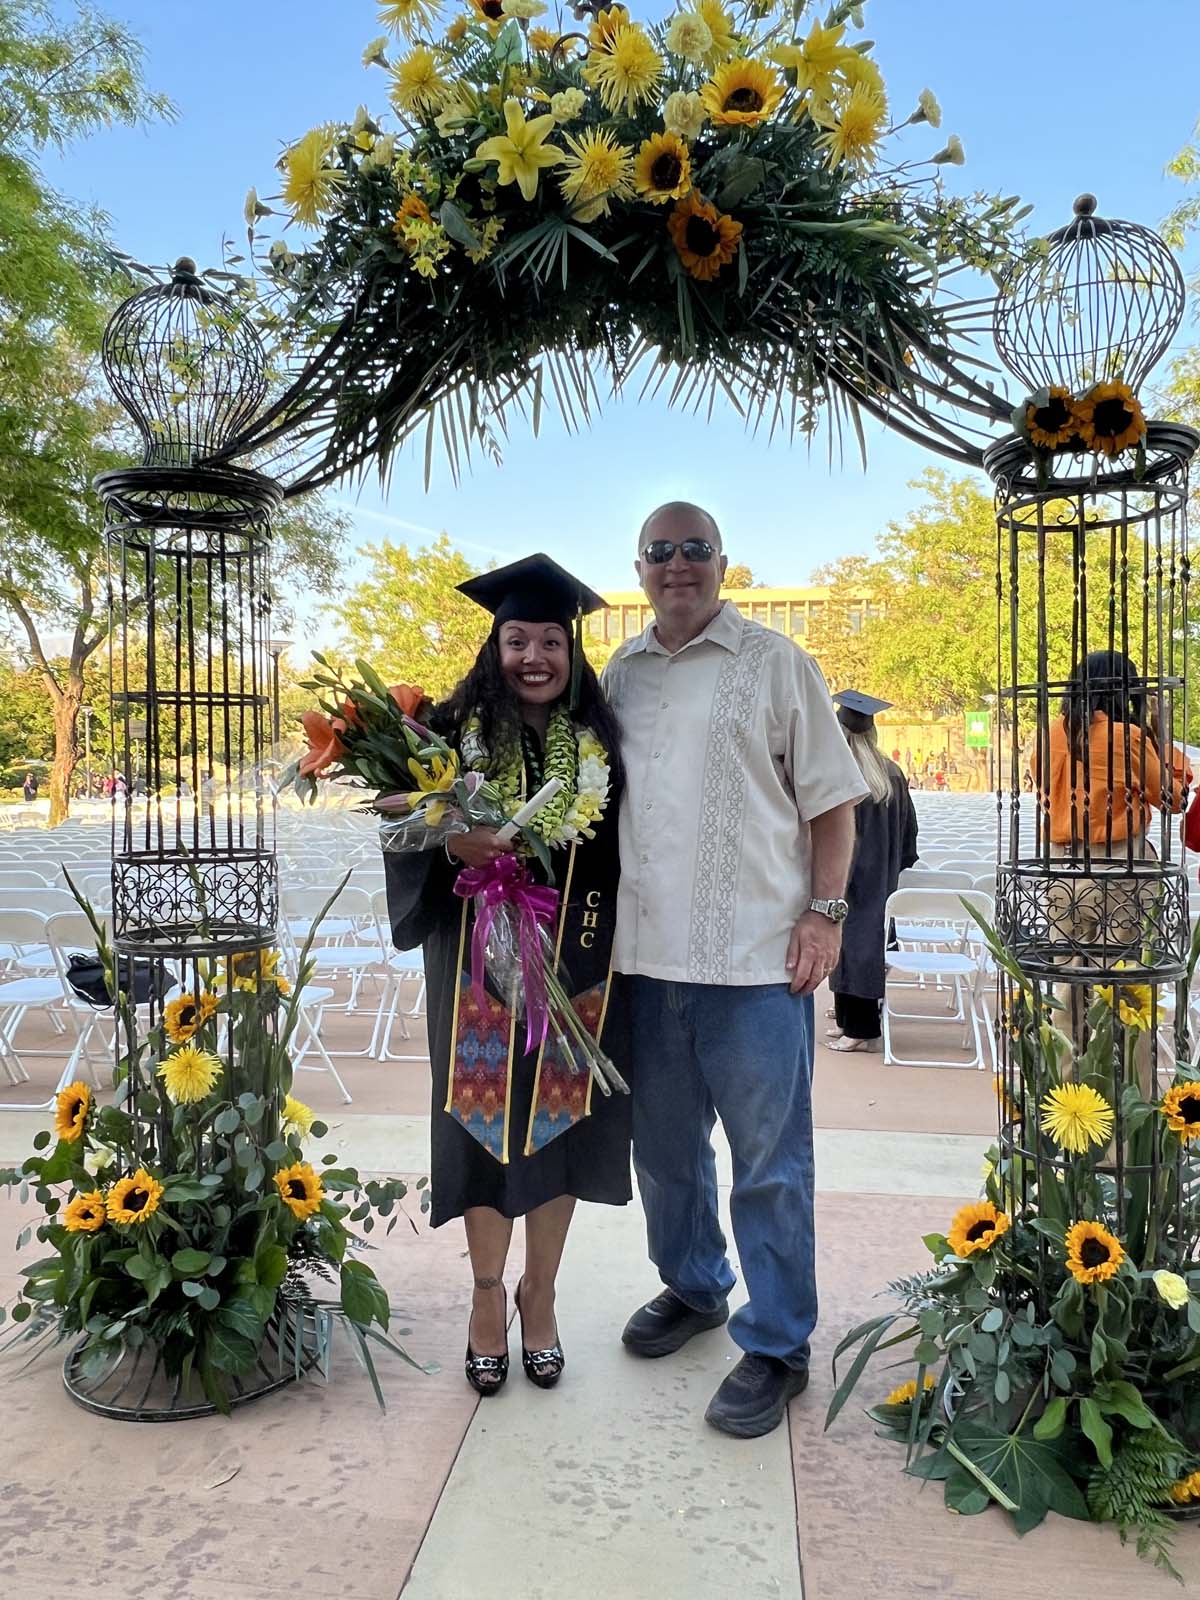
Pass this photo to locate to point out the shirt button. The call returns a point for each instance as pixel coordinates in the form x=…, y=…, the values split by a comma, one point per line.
x=665, y=705
x=649, y=805
x=657, y=754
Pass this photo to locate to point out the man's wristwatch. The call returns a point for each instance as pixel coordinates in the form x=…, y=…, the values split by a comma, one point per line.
x=835, y=910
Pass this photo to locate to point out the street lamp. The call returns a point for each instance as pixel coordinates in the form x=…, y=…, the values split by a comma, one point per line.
x=136, y=727
x=276, y=647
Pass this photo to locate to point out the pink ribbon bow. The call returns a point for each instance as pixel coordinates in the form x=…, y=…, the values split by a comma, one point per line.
x=506, y=882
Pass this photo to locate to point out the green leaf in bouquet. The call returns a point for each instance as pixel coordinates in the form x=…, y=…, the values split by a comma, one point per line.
x=229, y=1351
x=227, y=1121
x=1121, y=1399
x=190, y=1263
x=457, y=226
x=192, y=1288
x=241, y=1315
x=1097, y=1430
x=1032, y=1475
x=364, y=1299
x=1052, y=1420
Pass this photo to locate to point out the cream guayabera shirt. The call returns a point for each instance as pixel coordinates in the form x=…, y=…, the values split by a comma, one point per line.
x=731, y=748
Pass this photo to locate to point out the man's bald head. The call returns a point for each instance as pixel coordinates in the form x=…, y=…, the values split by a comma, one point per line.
x=679, y=519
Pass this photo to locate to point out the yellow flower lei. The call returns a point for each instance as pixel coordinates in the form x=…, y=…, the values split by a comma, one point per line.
x=572, y=753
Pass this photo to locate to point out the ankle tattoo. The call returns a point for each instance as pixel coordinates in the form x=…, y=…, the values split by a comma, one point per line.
x=488, y=1283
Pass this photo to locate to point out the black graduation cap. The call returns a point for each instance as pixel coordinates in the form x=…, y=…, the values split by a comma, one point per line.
x=537, y=589
x=857, y=711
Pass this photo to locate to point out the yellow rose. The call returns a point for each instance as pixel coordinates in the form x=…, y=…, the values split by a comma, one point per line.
x=1172, y=1288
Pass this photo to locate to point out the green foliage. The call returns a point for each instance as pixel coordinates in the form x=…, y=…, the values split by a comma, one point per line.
x=1132, y=1490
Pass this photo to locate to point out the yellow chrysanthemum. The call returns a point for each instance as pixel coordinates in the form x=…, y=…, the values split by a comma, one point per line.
x=297, y=1117
x=184, y=1015
x=724, y=36
x=1110, y=419
x=520, y=155
x=628, y=73
x=598, y=167
x=1181, y=1107
x=1055, y=424
x=705, y=240
x=87, y=1213
x=133, y=1200
x=663, y=168
x=1093, y=1254
x=71, y=1107
x=907, y=1392
x=976, y=1228
x=417, y=81
x=1186, y=1490
x=1076, y=1116
x=859, y=126
x=189, y=1074
x=1134, y=1002
x=605, y=28
x=300, y=1189
x=742, y=93
x=408, y=17
x=855, y=68
x=543, y=40
x=311, y=187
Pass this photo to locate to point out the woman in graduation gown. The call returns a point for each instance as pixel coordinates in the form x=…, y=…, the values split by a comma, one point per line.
x=516, y=1133
x=886, y=843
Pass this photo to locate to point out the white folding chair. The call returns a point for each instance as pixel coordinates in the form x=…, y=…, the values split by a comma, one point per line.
x=19, y=996
x=405, y=968
x=938, y=921
x=355, y=953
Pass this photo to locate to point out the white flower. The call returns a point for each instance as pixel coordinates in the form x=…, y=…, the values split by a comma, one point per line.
x=683, y=114
x=375, y=55
x=952, y=154
x=523, y=8
x=593, y=775
x=567, y=104
x=280, y=257
x=99, y=1159
x=1172, y=1288
x=254, y=208
x=927, y=110
x=382, y=154
x=689, y=36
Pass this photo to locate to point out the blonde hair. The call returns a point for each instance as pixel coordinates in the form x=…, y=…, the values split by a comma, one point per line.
x=864, y=747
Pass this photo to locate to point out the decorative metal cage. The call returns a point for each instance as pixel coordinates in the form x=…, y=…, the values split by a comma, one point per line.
x=194, y=881
x=1093, y=633
x=1102, y=303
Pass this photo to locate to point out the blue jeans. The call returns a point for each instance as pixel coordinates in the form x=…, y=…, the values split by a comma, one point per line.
x=744, y=1054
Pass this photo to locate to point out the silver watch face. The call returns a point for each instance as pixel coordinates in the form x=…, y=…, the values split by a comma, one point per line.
x=835, y=910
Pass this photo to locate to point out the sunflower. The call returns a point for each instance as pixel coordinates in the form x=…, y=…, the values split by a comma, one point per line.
x=71, y=1107
x=253, y=967
x=1075, y=1116
x=663, y=169
x=134, y=1199
x=742, y=93
x=706, y=240
x=408, y=16
x=1110, y=419
x=1181, y=1107
x=301, y=1189
x=297, y=1117
x=417, y=81
x=189, y=1074
x=489, y=11
x=1186, y=1490
x=1134, y=1002
x=187, y=1013
x=976, y=1228
x=907, y=1392
x=857, y=128
x=1010, y=1109
x=86, y=1213
x=598, y=168
x=310, y=184
x=1093, y=1254
x=1053, y=425
x=628, y=72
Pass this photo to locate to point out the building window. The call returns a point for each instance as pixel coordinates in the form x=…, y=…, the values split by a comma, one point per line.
x=630, y=622
x=760, y=613
x=799, y=622
x=779, y=618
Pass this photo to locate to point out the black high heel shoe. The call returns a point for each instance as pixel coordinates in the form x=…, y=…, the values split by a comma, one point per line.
x=487, y=1375
x=542, y=1367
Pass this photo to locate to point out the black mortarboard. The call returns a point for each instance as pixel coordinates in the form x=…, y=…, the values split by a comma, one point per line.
x=857, y=711
x=537, y=589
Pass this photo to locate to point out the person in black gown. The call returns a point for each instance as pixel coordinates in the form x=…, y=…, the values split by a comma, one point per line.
x=886, y=843
x=516, y=1133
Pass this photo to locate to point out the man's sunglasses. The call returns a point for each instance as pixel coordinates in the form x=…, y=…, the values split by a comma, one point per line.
x=659, y=551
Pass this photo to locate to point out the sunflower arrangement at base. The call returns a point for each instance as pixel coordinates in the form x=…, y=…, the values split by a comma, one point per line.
x=1056, y=1339
x=1106, y=421
x=186, y=1217
x=707, y=194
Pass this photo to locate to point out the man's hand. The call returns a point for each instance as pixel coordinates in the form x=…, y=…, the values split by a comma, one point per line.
x=813, y=951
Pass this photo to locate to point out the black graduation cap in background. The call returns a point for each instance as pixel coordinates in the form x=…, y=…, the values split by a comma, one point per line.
x=857, y=711
x=537, y=589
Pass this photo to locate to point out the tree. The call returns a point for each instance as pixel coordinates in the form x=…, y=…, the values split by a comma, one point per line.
x=407, y=618
x=738, y=576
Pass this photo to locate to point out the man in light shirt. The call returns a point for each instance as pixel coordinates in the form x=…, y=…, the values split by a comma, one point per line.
x=736, y=829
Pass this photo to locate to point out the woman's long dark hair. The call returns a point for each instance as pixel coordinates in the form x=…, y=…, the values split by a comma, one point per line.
x=484, y=690
x=1108, y=683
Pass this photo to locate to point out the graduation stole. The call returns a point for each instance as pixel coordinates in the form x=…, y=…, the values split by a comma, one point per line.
x=487, y=1048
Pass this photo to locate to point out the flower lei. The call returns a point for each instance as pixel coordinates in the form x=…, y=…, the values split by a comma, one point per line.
x=573, y=754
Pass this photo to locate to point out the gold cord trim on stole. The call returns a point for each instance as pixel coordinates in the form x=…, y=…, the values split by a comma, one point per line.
x=558, y=943
x=508, y=1082
x=462, y=945
x=612, y=956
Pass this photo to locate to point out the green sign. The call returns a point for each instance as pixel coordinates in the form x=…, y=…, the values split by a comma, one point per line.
x=979, y=730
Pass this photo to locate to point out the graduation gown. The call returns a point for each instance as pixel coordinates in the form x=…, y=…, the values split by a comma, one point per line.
x=523, y=1160
x=886, y=843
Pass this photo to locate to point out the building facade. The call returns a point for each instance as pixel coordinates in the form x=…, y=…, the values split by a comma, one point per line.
x=795, y=612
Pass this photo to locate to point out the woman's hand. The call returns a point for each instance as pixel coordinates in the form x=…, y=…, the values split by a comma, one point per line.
x=477, y=848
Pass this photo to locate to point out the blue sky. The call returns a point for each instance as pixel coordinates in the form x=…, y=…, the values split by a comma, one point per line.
x=1048, y=101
